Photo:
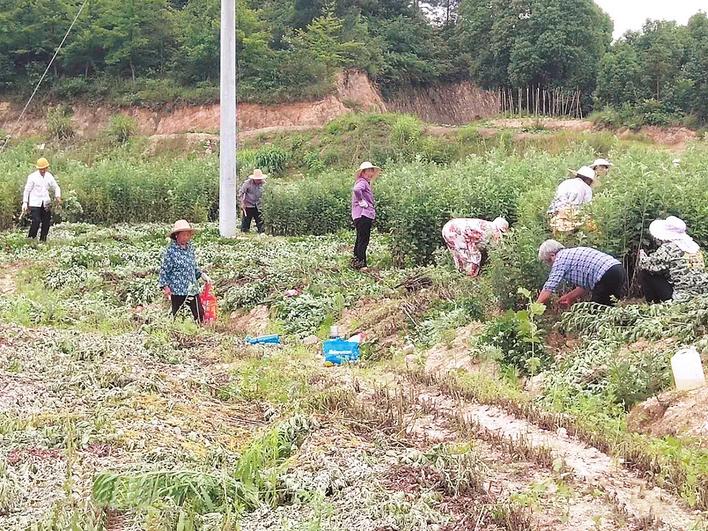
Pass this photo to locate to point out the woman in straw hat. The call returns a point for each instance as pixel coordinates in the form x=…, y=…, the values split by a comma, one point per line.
x=363, y=211
x=571, y=194
x=468, y=240
x=36, y=198
x=179, y=272
x=676, y=270
x=601, y=167
x=250, y=196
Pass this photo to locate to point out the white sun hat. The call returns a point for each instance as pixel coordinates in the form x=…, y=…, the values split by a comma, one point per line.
x=181, y=225
x=367, y=166
x=601, y=162
x=673, y=229
x=258, y=175
x=587, y=172
x=501, y=224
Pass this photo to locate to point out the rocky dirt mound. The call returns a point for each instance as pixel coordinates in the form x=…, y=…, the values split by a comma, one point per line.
x=673, y=413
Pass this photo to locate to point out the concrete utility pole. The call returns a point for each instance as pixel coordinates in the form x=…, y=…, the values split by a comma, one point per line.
x=228, y=126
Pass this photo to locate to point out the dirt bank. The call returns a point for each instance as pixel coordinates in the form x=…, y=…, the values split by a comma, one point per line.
x=353, y=91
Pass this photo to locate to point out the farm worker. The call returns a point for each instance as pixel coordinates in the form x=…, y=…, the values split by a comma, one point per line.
x=363, y=211
x=676, y=270
x=250, y=196
x=574, y=192
x=571, y=194
x=588, y=269
x=601, y=167
x=468, y=240
x=36, y=198
x=179, y=272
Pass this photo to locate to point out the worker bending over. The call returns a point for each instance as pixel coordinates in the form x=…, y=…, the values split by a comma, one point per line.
x=588, y=269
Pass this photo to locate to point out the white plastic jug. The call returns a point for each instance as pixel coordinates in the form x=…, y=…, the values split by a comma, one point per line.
x=688, y=369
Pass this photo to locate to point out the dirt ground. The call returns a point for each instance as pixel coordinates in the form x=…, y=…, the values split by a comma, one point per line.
x=675, y=413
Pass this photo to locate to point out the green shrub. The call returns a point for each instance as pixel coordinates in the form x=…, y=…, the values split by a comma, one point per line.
x=406, y=133
x=59, y=123
x=121, y=128
x=518, y=337
x=271, y=159
x=308, y=207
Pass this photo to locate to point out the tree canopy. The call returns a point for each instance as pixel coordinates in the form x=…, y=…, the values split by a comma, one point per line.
x=291, y=49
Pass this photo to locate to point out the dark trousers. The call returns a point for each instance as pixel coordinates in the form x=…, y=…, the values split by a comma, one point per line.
x=40, y=217
x=252, y=213
x=612, y=283
x=192, y=301
x=363, y=235
x=656, y=287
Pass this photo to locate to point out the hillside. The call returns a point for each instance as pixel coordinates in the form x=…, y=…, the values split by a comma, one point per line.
x=159, y=53
x=451, y=103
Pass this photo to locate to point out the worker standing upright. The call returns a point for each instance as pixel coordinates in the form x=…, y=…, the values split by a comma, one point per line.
x=36, y=198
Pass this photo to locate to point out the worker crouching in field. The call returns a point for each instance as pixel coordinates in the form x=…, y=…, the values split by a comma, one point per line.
x=601, y=167
x=468, y=240
x=250, y=196
x=676, y=270
x=36, y=198
x=363, y=211
x=588, y=269
x=571, y=194
x=179, y=272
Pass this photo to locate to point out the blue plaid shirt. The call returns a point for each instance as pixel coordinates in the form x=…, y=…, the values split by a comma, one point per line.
x=579, y=266
x=179, y=270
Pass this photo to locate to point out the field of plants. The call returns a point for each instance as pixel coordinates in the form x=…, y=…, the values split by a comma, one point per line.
x=470, y=409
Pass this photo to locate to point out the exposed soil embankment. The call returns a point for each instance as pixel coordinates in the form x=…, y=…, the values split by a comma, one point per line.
x=448, y=104
x=353, y=91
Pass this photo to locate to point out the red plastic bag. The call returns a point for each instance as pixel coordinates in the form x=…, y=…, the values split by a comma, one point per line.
x=209, y=303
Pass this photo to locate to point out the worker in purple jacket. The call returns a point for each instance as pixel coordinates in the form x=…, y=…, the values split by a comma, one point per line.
x=363, y=210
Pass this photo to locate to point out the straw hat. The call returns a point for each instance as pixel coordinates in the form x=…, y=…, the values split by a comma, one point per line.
x=181, y=225
x=673, y=229
x=367, y=166
x=258, y=175
x=601, y=162
x=587, y=172
x=42, y=164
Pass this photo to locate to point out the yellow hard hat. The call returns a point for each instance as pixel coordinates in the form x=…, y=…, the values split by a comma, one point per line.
x=42, y=164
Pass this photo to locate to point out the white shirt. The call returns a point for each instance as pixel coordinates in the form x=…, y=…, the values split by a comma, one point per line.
x=37, y=189
x=571, y=192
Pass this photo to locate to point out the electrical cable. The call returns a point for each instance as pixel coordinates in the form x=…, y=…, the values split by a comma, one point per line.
x=36, y=88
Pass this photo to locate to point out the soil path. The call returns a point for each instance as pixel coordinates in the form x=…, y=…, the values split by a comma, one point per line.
x=589, y=466
x=603, y=494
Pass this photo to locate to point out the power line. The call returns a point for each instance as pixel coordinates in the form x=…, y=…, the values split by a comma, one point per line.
x=36, y=88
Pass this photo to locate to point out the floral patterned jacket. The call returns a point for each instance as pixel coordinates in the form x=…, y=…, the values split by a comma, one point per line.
x=686, y=272
x=179, y=270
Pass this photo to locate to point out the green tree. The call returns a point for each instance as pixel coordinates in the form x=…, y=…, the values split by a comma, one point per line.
x=661, y=48
x=620, y=76
x=533, y=42
x=138, y=34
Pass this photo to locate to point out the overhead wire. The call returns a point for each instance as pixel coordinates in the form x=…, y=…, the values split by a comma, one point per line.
x=39, y=83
